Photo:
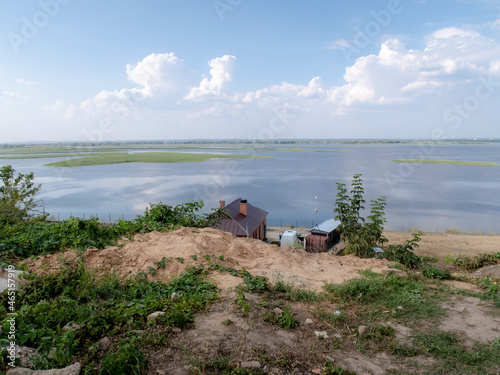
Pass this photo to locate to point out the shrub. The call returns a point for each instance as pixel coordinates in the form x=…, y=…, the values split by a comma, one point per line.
x=403, y=253
x=359, y=234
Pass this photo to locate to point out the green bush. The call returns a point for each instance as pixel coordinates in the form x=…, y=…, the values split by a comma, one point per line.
x=359, y=234
x=438, y=273
x=128, y=360
x=404, y=253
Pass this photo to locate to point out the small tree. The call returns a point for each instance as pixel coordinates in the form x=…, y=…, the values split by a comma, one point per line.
x=360, y=235
x=17, y=196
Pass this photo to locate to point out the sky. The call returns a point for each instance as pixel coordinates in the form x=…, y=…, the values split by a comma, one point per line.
x=74, y=70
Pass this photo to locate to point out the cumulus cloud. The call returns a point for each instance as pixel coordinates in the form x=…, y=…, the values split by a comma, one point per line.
x=156, y=74
x=452, y=56
x=221, y=73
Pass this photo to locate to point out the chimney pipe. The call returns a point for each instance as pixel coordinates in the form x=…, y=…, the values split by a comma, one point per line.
x=244, y=207
x=222, y=204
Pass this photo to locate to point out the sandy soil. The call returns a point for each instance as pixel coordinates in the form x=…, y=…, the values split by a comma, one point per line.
x=432, y=244
x=439, y=244
x=298, y=266
x=245, y=337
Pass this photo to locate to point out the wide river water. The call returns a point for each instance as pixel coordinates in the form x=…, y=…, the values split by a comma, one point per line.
x=294, y=187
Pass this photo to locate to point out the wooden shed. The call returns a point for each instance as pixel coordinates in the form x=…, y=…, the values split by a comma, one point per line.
x=323, y=236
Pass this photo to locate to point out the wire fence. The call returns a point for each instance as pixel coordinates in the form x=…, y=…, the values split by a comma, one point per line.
x=114, y=218
x=291, y=223
x=103, y=217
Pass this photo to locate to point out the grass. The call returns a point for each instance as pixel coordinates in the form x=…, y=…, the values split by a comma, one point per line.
x=149, y=157
x=306, y=150
x=453, y=162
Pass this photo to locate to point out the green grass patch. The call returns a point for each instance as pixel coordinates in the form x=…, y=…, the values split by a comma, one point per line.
x=107, y=306
x=148, y=157
x=453, y=162
x=380, y=296
x=452, y=354
x=305, y=150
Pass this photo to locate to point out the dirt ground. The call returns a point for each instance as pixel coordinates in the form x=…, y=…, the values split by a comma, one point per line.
x=432, y=244
x=182, y=246
x=223, y=331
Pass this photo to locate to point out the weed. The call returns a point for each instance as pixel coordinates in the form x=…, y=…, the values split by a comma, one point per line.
x=438, y=273
x=161, y=263
x=403, y=298
x=151, y=270
x=470, y=263
x=254, y=284
x=242, y=303
x=286, y=320
x=329, y=368
x=128, y=360
x=403, y=253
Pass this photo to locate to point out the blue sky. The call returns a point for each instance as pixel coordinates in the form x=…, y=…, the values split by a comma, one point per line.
x=124, y=70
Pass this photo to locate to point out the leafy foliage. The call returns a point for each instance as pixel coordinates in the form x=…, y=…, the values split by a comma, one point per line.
x=17, y=196
x=360, y=234
x=107, y=306
x=470, y=263
x=33, y=238
x=403, y=253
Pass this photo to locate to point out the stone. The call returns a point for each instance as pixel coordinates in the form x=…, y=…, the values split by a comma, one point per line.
x=137, y=331
x=176, y=330
x=104, y=343
x=331, y=359
x=23, y=354
x=316, y=371
x=278, y=311
x=155, y=315
x=363, y=329
x=74, y=369
x=160, y=372
x=250, y=364
x=337, y=336
x=73, y=327
x=308, y=321
x=322, y=334
x=175, y=297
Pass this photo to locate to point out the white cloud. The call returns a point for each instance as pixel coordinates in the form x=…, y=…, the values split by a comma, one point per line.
x=313, y=90
x=156, y=72
x=221, y=72
x=25, y=81
x=11, y=97
x=156, y=75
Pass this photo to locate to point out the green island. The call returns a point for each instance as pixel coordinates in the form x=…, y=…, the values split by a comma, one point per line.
x=147, y=157
x=453, y=162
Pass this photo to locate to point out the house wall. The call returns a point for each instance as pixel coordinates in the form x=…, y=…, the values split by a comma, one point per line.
x=260, y=232
x=318, y=243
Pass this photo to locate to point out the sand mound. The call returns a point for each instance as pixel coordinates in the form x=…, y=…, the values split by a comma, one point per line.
x=187, y=246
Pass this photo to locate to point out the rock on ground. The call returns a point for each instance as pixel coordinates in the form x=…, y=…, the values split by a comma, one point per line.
x=74, y=369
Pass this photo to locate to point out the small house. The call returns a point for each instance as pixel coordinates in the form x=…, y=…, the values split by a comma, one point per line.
x=323, y=236
x=243, y=219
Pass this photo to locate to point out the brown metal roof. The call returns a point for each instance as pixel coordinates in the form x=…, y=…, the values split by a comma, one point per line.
x=239, y=224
